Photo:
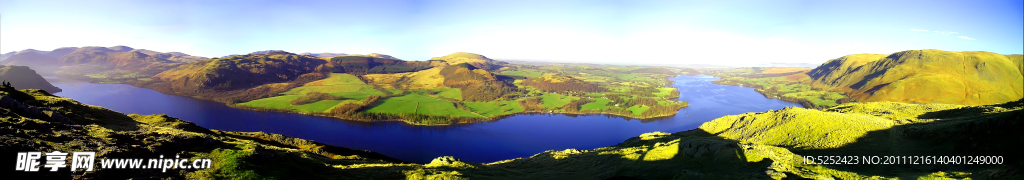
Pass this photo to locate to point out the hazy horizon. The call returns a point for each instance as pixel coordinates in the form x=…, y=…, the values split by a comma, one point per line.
x=602, y=32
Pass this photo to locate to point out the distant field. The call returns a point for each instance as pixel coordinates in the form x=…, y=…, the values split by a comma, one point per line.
x=664, y=91
x=450, y=93
x=277, y=102
x=360, y=94
x=638, y=109
x=598, y=104
x=781, y=70
x=336, y=83
x=419, y=104
x=522, y=73
x=321, y=106
x=493, y=108
x=553, y=101
x=284, y=103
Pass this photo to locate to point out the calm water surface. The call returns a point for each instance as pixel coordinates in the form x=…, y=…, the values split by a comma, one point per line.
x=512, y=137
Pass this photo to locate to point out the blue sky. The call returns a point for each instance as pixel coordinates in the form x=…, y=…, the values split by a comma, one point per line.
x=619, y=32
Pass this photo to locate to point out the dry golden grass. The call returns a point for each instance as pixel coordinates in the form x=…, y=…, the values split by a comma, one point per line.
x=425, y=79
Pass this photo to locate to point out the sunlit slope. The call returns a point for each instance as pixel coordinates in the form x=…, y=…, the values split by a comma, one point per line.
x=1018, y=60
x=479, y=61
x=771, y=145
x=923, y=76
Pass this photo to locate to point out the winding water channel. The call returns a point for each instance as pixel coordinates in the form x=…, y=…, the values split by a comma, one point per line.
x=512, y=137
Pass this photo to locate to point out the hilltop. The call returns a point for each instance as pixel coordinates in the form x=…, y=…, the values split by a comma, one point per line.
x=478, y=61
x=922, y=76
x=25, y=78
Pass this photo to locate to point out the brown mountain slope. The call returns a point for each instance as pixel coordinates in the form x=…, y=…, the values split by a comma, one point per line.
x=242, y=71
x=238, y=78
x=60, y=52
x=25, y=78
x=923, y=76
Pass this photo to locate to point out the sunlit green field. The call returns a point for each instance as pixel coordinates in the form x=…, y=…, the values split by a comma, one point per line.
x=283, y=102
x=638, y=109
x=598, y=104
x=419, y=104
x=494, y=108
x=450, y=93
x=336, y=83
x=553, y=101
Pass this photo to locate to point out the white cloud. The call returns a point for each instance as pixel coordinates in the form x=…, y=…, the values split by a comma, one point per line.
x=965, y=37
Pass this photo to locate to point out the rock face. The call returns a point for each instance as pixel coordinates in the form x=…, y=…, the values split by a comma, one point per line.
x=25, y=78
x=925, y=76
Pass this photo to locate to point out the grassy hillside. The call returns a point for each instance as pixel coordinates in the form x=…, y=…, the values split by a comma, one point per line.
x=238, y=78
x=920, y=76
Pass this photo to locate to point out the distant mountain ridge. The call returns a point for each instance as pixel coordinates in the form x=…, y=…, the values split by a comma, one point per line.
x=919, y=76
x=323, y=55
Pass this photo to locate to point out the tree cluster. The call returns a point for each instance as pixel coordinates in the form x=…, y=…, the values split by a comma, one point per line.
x=532, y=104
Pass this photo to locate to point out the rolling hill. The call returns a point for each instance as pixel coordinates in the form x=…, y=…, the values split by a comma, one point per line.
x=478, y=61
x=238, y=78
x=25, y=78
x=43, y=64
x=922, y=76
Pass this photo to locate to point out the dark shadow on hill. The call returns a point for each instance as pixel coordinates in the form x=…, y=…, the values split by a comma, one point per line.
x=968, y=131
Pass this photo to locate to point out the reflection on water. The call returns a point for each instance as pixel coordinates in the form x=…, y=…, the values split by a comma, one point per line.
x=512, y=137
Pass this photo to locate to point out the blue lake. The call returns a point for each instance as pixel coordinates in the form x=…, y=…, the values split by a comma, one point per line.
x=512, y=137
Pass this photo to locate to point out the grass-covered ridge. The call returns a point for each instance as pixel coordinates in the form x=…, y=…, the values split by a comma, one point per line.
x=914, y=76
x=921, y=76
